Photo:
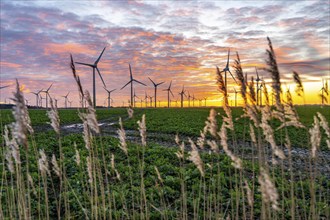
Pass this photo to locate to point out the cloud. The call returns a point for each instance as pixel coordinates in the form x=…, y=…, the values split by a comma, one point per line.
x=162, y=40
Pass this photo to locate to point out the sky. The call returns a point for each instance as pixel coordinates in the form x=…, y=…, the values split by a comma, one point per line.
x=182, y=41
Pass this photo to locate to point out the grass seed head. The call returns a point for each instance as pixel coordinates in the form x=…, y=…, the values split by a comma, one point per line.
x=122, y=137
x=22, y=124
x=143, y=130
x=56, y=167
x=54, y=117
x=195, y=158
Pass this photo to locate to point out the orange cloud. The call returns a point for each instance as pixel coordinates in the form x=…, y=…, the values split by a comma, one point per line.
x=10, y=65
x=52, y=48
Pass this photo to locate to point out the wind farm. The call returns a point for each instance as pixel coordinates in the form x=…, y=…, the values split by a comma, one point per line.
x=164, y=110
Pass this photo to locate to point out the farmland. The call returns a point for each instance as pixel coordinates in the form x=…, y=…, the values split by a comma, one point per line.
x=151, y=181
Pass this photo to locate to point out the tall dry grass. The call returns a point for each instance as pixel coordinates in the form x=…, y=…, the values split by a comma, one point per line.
x=252, y=188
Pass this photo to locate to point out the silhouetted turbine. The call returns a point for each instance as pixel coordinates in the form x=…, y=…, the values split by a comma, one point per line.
x=131, y=82
x=226, y=69
x=182, y=93
x=168, y=94
x=134, y=96
x=47, y=94
x=37, y=97
x=66, y=100
x=155, y=85
x=146, y=99
x=94, y=66
x=205, y=98
x=109, y=93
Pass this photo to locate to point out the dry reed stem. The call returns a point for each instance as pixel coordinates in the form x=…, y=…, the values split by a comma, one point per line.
x=195, y=158
x=237, y=162
x=268, y=189
x=315, y=136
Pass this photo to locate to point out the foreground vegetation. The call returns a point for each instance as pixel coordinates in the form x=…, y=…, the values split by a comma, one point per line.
x=50, y=174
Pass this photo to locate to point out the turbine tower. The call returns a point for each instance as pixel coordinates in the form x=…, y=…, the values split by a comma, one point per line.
x=155, y=85
x=182, y=93
x=235, y=97
x=205, y=98
x=168, y=94
x=94, y=66
x=131, y=82
x=109, y=94
x=225, y=70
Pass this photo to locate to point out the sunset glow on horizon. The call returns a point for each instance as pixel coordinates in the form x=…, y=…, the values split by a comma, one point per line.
x=182, y=41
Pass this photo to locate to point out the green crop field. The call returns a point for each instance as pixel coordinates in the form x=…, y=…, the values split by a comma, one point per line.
x=152, y=181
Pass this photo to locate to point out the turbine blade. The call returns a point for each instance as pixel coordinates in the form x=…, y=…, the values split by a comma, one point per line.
x=113, y=90
x=126, y=84
x=49, y=87
x=139, y=82
x=98, y=59
x=100, y=76
x=228, y=58
x=171, y=93
x=159, y=83
x=170, y=85
x=86, y=64
x=232, y=76
x=105, y=89
x=152, y=81
x=130, y=71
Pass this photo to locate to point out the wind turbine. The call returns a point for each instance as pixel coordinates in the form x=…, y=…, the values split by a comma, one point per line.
x=131, y=82
x=235, y=97
x=155, y=85
x=225, y=70
x=205, y=98
x=94, y=66
x=70, y=103
x=40, y=100
x=37, y=97
x=109, y=93
x=134, y=96
x=193, y=98
x=66, y=100
x=257, y=80
x=47, y=94
x=200, y=102
x=182, y=93
x=150, y=98
x=189, y=99
x=146, y=99
x=168, y=94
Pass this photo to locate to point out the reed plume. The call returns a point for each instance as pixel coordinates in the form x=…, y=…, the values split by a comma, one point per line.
x=122, y=137
x=77, y=79
x=22, y=124
x=240, y=76
x=299, y=86
x=143, y=130
x=195, y=158
x=268, y=189
x=275, y=74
